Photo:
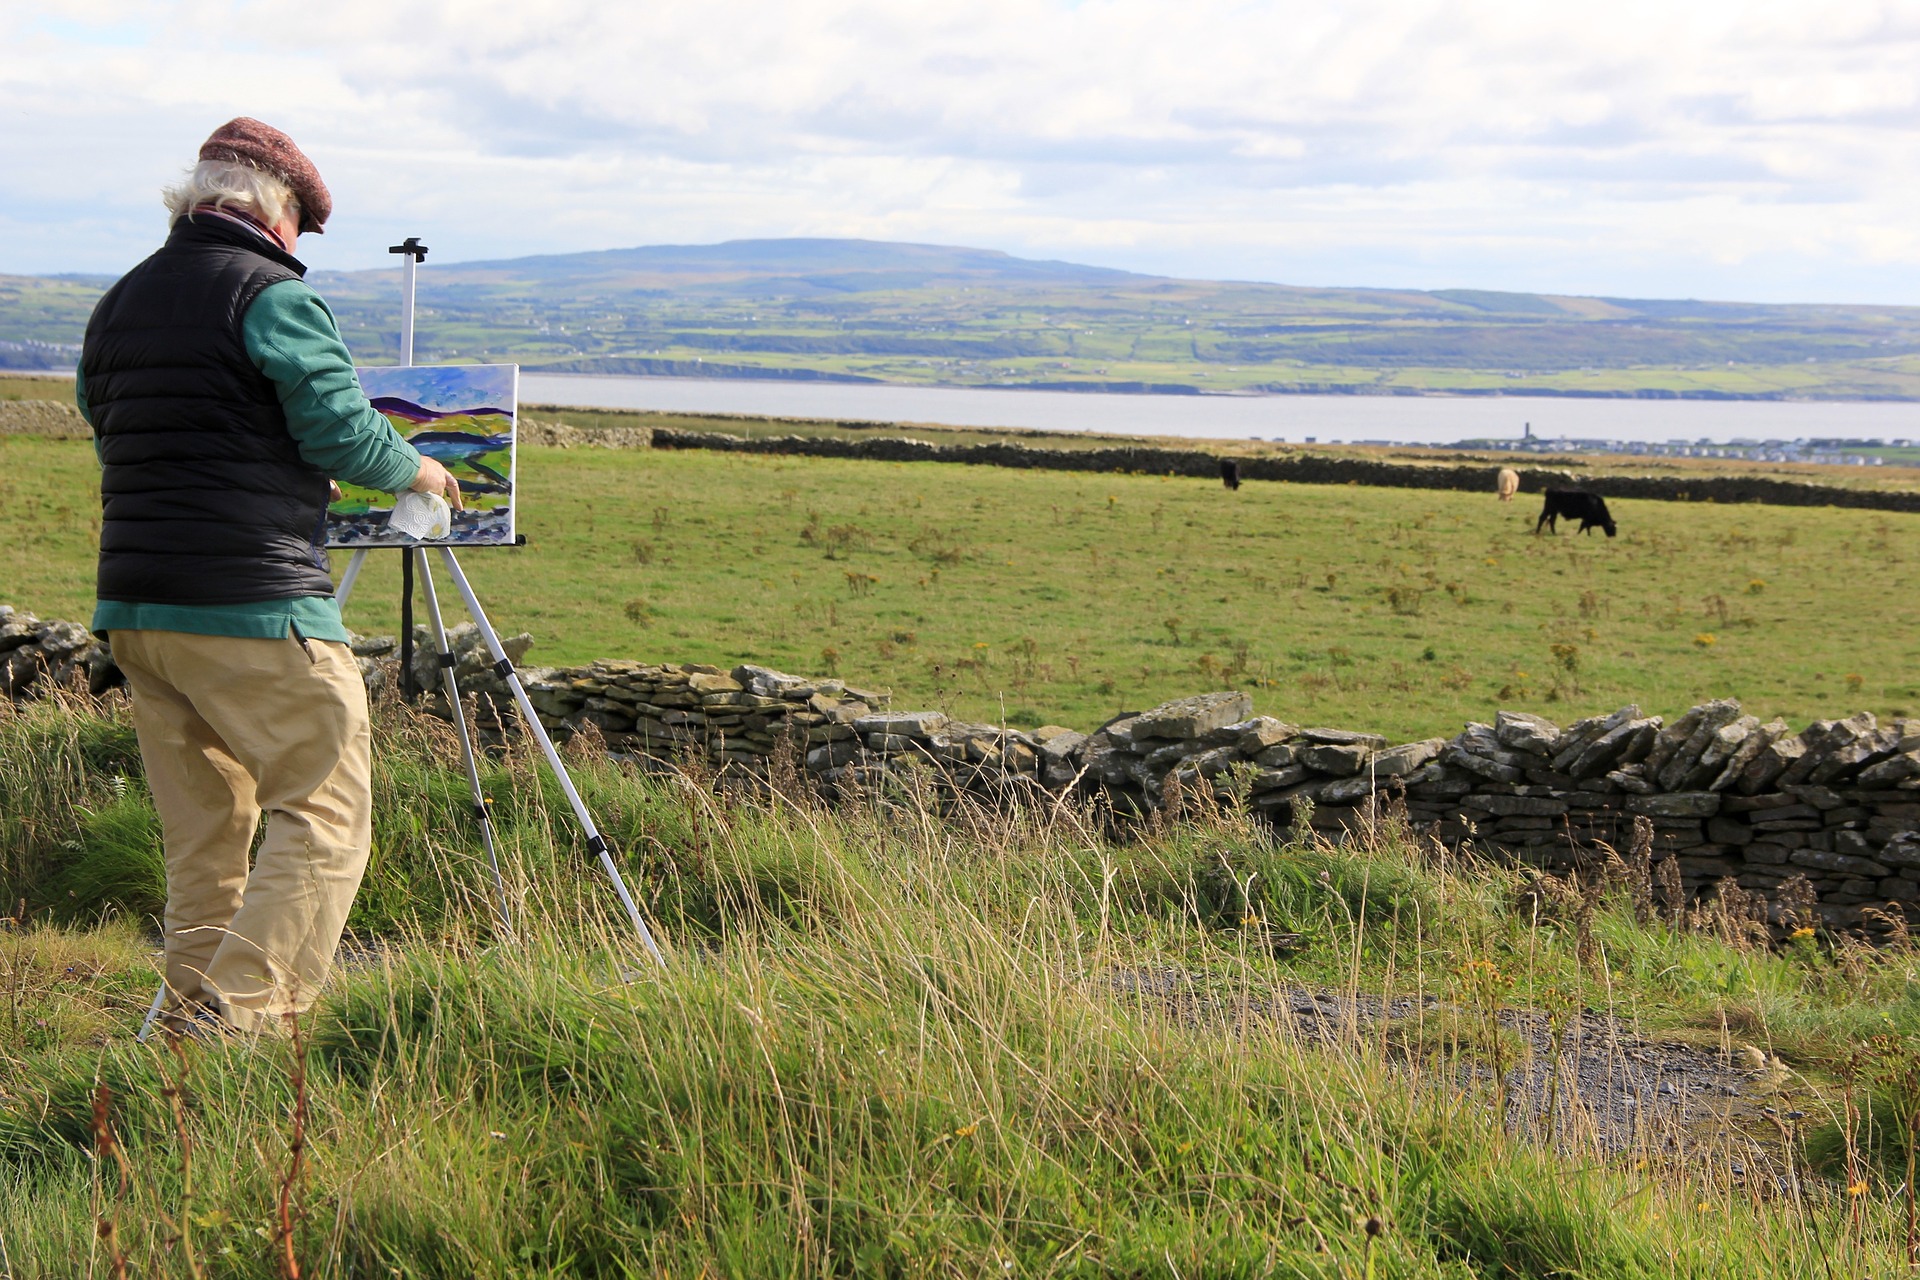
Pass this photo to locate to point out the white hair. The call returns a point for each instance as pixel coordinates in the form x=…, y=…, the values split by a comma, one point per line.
x=231, y=184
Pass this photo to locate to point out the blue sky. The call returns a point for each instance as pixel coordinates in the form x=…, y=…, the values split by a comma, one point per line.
x=445, y=388
x=1759, y=150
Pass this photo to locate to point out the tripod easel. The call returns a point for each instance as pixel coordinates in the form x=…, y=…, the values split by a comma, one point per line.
x=414, y=563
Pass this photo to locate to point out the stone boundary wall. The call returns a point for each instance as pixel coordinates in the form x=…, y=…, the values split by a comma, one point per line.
x=43, y=418
x=1821, y=822
x=63, y=421
x=1302, y=469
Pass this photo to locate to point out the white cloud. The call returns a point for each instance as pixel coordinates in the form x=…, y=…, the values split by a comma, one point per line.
x=1760, y=150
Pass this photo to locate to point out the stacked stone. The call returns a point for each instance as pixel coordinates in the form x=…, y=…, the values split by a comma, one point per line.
x=681, y=709
x=38, y=656
x=1725, y=795
x=1213, y=743
x=981, y=758
x=1839, y=803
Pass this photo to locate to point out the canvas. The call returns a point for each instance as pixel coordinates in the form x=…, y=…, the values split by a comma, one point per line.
x=462, y=416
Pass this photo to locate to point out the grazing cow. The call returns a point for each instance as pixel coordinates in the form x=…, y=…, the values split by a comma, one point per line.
x=1589, y=509
x=1230, y=473
x=1507, y=484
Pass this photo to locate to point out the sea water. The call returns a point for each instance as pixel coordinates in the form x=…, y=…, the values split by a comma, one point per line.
x=1429, y=420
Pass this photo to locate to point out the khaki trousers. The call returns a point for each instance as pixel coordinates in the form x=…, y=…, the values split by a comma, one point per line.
x=229, y=727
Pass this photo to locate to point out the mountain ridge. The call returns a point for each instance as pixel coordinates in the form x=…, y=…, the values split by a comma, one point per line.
x=911, y=313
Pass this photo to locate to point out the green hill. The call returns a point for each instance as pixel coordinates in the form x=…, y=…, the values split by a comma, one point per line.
x=863, y=310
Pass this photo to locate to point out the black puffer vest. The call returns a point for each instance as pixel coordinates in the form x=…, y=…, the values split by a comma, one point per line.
x=204, y=498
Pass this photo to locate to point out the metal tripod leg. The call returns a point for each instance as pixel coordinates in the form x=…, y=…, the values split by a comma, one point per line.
x=450, y=686
x=504, y=666
x=348, y=578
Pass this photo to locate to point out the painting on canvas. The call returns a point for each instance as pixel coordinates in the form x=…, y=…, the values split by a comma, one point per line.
x=462, y=416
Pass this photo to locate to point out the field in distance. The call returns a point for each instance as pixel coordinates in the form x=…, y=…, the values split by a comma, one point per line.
x=1034, y=597
x=914, y=314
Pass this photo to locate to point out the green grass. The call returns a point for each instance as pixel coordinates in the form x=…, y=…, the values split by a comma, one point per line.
x=888, y=1043
x=1053, y=597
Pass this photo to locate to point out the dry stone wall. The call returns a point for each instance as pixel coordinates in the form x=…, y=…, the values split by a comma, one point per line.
x=1830, y=814
x=1306, y=468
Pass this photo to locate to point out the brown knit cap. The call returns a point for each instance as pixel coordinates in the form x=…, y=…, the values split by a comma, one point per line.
x=247, y=141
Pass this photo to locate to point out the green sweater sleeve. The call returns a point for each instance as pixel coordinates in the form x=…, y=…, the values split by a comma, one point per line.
x=293, y=339
x=80, y=402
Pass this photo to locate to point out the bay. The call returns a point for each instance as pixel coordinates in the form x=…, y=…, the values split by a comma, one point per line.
x=1425, y=420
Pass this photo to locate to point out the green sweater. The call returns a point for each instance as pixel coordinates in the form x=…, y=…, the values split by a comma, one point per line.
x=292, y=337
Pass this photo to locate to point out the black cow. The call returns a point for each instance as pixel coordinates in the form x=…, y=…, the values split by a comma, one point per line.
x=1230, y=473
x=1589, y=509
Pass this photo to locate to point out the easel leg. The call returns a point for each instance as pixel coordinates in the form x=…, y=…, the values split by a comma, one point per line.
x=531, y=720
x=348, y=578
x=408, y=689
x=153, y=1013
x=450, y=686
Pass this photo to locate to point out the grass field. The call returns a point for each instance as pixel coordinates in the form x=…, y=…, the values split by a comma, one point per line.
x=893, y=1043
x=1056, y=597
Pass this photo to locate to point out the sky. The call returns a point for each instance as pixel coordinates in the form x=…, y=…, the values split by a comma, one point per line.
x=1755, y=150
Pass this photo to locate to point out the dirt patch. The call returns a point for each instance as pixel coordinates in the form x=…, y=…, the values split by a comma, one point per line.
x=1590, y=1083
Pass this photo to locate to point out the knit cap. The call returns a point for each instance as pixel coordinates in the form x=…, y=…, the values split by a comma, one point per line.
x=248, y=141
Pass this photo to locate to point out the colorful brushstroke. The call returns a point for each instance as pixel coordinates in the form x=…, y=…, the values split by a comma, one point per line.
x=463, y=417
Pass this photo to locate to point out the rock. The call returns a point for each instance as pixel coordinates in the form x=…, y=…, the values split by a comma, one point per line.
x=1277, y=779
x=1520, y=731
x=1900, y=889
x=1163, y=758
x=1343, y=738
x=1722, y=745
x=1757, y=741
x=1347, y=790
x=1210, y=764
x=1481, y=765
x=16, y=629
x=1678, y=804
x=1893, y=769
x=1671, y=739
x=1708, y=720
x=1107, y=762
x=1903, y=851
x=1816, y=738
x=1729, y=831
x=1400, y=761
x=1261, y=732
x=1604, y=752
x=1341, y=760
x=1048, y=732
x=1845, y=757
x=1280, y=754
x=1821, y=798
x=1056, y=747
x=1193, y=717
x=1502, y=804
x=1770, y=764
x=832, y=755
x=906, y=724
x=102, y=672
x=1587, y=732
x=1630, y=780
x=1839, y=863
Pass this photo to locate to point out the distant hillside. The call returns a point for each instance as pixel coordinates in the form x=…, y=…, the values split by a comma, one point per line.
x=874, y=311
